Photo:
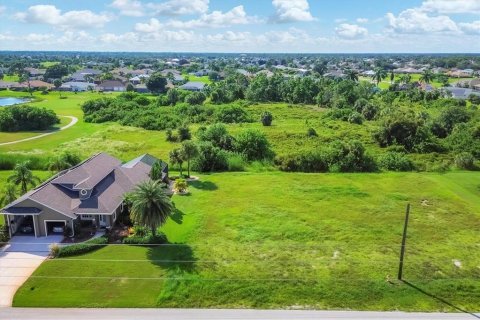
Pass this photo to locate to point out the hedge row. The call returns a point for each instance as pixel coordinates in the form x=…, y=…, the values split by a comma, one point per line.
x=149, y=239
x=84, y=247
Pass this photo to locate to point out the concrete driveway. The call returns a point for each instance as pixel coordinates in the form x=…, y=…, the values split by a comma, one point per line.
x=18, y=260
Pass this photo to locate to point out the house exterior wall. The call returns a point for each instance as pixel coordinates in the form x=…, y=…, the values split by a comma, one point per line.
x=46, y=215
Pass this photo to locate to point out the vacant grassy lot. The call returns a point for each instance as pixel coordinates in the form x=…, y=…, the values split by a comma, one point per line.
x=277, y=240
x=385, y=84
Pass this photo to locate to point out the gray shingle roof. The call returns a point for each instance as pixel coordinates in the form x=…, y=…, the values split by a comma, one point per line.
x=103, y=175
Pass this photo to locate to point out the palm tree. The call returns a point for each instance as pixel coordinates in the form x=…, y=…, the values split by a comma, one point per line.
x=188, y=151
x=427, y=76
x=405, y=79
x=392, y=77
x=9, y=195
x=23, y=176
x=150, y=205
x=58, y=163
x=25, y=77
x=176, y=158
x=379, y=75
x=351, y=74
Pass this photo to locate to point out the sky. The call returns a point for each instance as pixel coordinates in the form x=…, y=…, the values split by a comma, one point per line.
x=269, y=26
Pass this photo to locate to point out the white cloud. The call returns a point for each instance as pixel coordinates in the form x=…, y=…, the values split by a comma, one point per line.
x=291, y=11
x=48, y=14
x=6, y=36
x=128, y=37
x=230, y=36
x=471, y=28
x=452, y=6
x=180, y=7
x=152, y=26
x=417, y=21
x=130, y=8
x=362, y=20
x=3, y=9
x=215, y=19
x=38, y=37
x=350, y=31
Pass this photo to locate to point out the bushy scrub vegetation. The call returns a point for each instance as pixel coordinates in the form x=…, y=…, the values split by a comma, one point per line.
x=337, y=157
x=26, y=118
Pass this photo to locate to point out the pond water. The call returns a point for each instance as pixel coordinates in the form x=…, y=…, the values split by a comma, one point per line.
x=11, y=101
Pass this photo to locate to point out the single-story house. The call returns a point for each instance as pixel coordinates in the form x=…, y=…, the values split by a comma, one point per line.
x=141, y=88
x=77, y=86
x=461, y=93
x=112, y=85
x=193, y=86
x=139, y=79
x=93, y=192
x=6, y=84
x=34, y=84
x=35, y=73
x=84, y=74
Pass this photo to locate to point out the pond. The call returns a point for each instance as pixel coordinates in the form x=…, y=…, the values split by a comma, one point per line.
x=11, y=101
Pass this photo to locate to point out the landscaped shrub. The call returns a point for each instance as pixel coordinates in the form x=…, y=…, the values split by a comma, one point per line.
x=148, y=239
x=396, y=161
x=84, y=247
x=180, y=186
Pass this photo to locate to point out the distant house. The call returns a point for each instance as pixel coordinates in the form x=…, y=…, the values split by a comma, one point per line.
x=141, y=88
x=34, y=84
x=112, y=85
x=193, y=86
x=267, y=73
x=139, y=79
x=35, y=73
x=244, y=72
x=335, y=74
x=77, y=86
x=84, y=75
x=461, y=93
x=7, y=85
x=202, y=73
x=167, y=71
x=91, y=192
x=466, y=73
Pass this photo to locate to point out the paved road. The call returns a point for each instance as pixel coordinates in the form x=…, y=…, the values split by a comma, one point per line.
x=18, y=260
x=72, y=123
x=202, y=314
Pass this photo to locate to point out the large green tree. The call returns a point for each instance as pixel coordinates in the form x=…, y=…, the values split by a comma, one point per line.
x=150, y=205
x=427, y=76
x=156, y=83
x=23, y=177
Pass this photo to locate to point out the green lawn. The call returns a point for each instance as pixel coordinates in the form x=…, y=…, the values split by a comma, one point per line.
x=278, y=240
x=203, y=79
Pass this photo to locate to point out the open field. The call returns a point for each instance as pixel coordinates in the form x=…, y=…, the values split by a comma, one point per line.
x=277, y=240
x=286, y=135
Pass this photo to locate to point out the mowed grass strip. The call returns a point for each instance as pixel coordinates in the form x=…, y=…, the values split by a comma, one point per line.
x=278, y=240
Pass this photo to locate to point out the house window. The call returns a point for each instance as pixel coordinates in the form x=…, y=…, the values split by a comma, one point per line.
x=87, y=217
x=115, y=216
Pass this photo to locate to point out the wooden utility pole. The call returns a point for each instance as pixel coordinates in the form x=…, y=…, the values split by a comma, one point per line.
x=404, y=240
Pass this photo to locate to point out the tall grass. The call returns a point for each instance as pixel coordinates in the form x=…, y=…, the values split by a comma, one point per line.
x=9, y=160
